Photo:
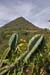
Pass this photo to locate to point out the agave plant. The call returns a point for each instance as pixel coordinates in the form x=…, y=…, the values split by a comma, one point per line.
x=13, y=41
x=12, y=45
x=36, y=42
x=15, y=66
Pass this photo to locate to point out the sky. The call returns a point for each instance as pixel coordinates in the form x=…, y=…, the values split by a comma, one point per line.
x=35, y=11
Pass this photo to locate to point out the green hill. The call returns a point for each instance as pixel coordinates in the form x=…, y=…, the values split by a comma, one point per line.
x=23, y=27
x=26, y=30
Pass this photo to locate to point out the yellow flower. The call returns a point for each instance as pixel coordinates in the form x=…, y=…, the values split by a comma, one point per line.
x=22, y=40
x=49, y=53
x=41, y=55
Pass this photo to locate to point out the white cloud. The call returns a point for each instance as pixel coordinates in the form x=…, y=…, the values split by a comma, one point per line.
x=44, y=11
x=37, y=11
x=10, y=13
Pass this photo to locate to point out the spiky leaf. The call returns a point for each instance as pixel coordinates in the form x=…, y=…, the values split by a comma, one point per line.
x=13, y=41
x=33, y=48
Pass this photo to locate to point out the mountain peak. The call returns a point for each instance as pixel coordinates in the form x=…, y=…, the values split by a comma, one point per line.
x=21, y=17
x=20, y=22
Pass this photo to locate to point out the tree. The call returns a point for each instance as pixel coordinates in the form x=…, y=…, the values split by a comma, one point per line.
x=48, y=20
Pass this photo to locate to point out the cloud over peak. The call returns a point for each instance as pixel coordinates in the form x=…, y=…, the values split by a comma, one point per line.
x=36, y=11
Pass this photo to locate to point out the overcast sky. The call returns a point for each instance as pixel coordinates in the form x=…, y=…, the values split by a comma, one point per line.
x=36, y=11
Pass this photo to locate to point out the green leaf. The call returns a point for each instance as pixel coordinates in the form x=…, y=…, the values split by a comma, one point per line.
x=13, y=41
x=34, y=47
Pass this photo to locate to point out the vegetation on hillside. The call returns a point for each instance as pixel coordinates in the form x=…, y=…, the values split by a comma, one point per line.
x=38, y=62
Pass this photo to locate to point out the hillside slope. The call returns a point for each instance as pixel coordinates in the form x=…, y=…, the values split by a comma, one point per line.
x=25, y=30
x=20, y=25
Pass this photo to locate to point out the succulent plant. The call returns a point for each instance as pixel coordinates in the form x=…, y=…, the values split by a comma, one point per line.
x=19, y=62
x=33, y=45
x=13, y=41
x=12, y=45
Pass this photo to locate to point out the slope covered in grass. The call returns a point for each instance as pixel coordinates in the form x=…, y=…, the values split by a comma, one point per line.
x=26, y=30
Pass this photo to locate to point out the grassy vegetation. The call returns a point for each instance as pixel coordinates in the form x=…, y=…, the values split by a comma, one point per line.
x=40, y=60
